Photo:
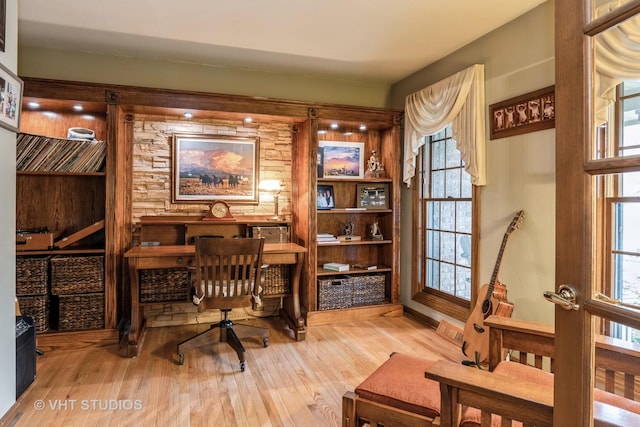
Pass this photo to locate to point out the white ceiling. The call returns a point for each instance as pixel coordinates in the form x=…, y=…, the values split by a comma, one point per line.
x=373, y=40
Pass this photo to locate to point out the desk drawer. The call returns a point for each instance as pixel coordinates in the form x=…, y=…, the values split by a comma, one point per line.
x=165, y=262
x=271, y=258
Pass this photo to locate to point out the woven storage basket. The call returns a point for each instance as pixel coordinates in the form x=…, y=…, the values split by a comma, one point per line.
x=275, y=280
x=334, y=292
x=79, y=311
x=164, y=285
x=36, y=306
x=32, y=275
x=77, y=275
x=368, y=289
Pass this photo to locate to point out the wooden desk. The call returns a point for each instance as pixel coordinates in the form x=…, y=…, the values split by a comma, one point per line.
x=173, y=256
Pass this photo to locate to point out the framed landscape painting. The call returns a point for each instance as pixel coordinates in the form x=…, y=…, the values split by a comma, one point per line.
x=342, y=160
x=213, y=167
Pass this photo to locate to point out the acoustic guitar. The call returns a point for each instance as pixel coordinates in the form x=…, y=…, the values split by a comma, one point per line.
x=475, y=337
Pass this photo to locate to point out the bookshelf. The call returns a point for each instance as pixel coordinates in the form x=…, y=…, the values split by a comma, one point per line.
x=62, y=187
x=374, y=292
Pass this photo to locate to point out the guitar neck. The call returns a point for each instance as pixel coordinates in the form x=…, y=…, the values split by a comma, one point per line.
x=494, y=277
x=496, y=269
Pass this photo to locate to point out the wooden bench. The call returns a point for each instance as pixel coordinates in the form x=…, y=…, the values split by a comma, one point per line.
x=388, y=397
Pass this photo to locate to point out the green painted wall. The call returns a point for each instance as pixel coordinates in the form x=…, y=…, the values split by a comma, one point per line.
x=518, y=58
x=88, y=67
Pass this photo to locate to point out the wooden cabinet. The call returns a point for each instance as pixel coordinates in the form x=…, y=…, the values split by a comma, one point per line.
x=376, y=130
x=68, y=202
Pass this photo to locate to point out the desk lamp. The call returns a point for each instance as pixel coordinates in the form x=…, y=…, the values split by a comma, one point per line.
x=273, y=186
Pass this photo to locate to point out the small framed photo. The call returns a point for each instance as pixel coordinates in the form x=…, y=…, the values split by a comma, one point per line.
x=326, y=198
x=373, y=196
x=342, y=160
x=10, y=99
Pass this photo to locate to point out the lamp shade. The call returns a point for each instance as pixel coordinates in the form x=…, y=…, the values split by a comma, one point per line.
x=270, y=185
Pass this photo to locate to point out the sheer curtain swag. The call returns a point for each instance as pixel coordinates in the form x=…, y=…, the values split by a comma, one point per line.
x=458, y=99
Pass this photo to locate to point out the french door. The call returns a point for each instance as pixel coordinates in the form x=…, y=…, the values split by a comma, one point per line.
x=597, y=169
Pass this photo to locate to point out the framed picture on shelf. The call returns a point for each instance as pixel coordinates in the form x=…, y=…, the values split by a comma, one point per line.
x=326, y=198
x=320, y=162
x=11, y=99
x=342, y=160
x=214, y=167
x=373, y=196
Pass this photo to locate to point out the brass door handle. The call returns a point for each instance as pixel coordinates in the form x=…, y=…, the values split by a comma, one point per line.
x=565, y=298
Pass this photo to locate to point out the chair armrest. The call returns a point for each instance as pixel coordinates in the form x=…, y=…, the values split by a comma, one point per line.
x=526, y=337
x=518, y=325
x=490, y=392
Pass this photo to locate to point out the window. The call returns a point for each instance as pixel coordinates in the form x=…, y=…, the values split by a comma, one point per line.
x=443, y=232
x=621, y=208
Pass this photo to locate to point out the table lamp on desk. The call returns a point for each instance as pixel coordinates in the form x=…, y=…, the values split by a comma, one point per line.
x=273, y=186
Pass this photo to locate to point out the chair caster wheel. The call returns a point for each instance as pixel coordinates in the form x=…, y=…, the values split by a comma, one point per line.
x=242, y=366
x=265, y=342
x=181, y=359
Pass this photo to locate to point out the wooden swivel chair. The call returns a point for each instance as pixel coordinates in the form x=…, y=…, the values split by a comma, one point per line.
x=227, y=276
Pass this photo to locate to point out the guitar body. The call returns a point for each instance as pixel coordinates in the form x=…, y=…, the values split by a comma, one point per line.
x=475, y=338
x=492, y=300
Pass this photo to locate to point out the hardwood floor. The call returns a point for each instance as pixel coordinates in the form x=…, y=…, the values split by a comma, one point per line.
x=286, y=384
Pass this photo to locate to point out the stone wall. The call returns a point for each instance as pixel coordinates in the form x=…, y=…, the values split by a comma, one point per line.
x=152, y=163
x=152, y=167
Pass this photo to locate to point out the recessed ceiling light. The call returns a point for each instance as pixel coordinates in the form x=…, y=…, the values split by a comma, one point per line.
x=322, y=132
x=33, y=104
x=78, y=107
x=334, y=126
x=348, y=133
x=248, y=119
x=188, y=115
x=363, y=127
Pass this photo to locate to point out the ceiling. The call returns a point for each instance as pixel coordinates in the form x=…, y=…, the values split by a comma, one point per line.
x=369, y=40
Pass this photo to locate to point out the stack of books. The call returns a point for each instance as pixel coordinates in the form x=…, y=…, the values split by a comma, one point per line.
x=335, y=266
x=326, y=238
x=364, y=267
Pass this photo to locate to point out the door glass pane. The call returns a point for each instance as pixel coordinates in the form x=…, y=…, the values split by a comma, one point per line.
x=621, y=248
x=603, y=6
x=617, y=91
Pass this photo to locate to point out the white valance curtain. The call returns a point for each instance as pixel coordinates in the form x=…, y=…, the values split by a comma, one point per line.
x=617, y=58
x=459, y=100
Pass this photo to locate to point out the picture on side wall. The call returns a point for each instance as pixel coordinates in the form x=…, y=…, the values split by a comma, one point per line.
x=213, y=167
x=342, y=160
x=10, y=99
x=530, y=112
x=3, y=23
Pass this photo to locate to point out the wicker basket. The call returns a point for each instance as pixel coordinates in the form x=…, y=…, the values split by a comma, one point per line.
x=368, y=289
x=334, y=292
x=32, y=275
x=275, y=280
x=79, y=311
x=164, y=285
x=36, y=306
x=77, y=275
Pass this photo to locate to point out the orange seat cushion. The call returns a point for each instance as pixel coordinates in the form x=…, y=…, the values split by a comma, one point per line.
x=400, y=382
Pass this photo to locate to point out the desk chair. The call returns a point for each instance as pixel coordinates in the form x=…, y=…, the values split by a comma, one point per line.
x=226, y=274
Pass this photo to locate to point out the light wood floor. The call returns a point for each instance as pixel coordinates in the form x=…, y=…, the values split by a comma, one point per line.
x=286, y=384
